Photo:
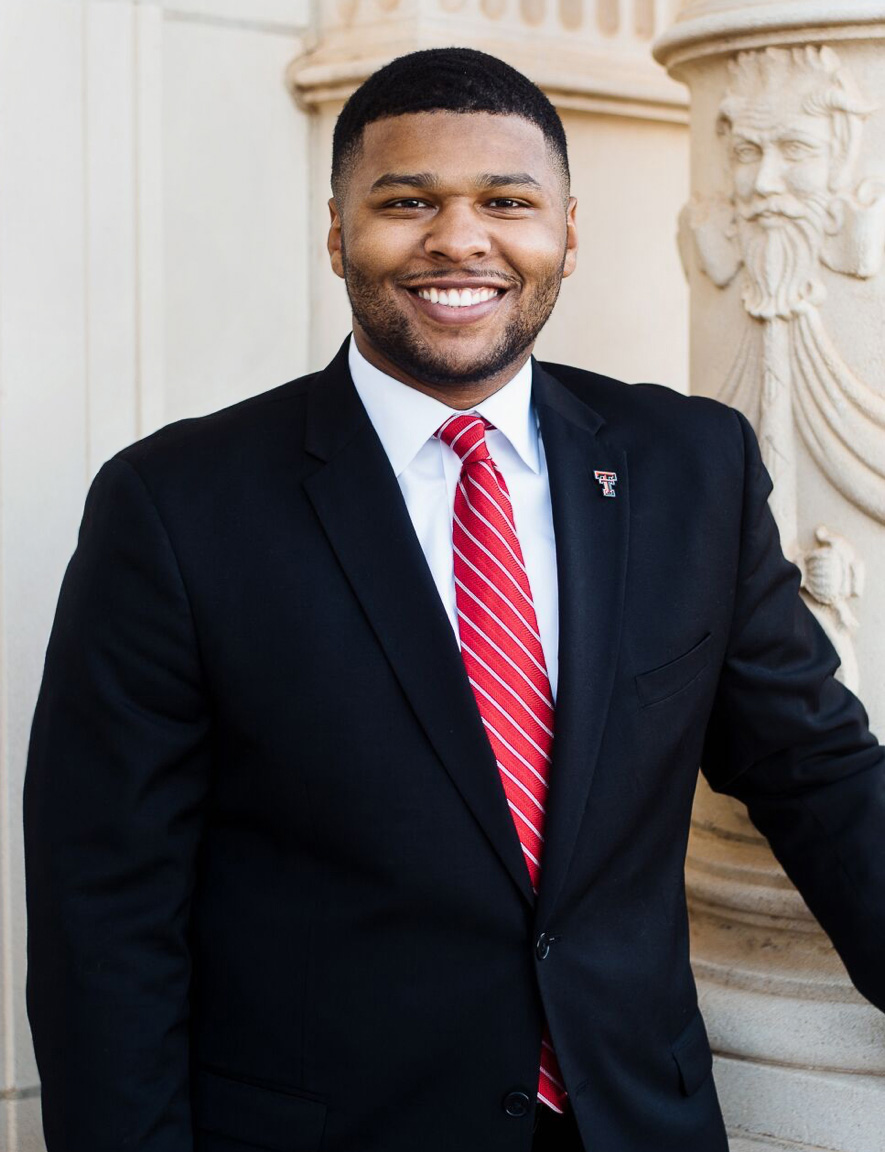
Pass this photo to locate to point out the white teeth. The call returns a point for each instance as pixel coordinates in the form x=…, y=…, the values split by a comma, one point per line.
x=455, y=298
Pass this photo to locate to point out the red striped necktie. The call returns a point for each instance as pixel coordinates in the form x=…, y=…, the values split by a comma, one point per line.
x=501, y=649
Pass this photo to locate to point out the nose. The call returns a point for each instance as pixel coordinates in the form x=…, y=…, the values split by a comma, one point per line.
x=457, y=234
x=770, y=174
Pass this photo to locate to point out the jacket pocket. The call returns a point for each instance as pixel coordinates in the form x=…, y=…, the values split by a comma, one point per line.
x=661, y=683
x=257, y=1117
x=691, y=1052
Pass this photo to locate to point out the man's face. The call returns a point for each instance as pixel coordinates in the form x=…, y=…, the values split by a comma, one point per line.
x=453, y=238
x=781, y=161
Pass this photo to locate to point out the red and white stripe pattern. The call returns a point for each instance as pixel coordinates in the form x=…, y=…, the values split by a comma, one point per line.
x=502, y=652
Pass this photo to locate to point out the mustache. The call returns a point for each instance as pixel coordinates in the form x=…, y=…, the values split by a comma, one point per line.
x=783, y=204
x=417, y=278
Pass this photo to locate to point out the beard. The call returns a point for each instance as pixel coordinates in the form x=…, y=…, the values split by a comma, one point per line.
x=391, y=331
x=782, y=264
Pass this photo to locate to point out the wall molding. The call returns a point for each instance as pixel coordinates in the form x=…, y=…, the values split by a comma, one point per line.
x=587, y=81
x=705, y=30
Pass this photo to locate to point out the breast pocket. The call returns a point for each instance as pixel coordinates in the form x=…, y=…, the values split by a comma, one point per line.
x=659, y=684
x=233, y=1116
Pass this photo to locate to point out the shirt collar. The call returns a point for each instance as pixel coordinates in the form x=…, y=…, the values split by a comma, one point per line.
x=405, y=418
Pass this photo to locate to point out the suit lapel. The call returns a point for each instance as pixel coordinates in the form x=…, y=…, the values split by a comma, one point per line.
x=361, y=508
x=591, y=555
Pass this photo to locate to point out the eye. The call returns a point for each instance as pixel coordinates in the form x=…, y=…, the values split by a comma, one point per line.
x=747, y=153
x=507, y=202
x=796, y=149
x=407, y=202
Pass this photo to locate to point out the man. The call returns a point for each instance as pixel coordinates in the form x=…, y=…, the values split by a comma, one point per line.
x=361, y=774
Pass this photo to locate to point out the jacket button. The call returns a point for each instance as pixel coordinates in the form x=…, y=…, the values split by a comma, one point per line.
x=542, y=947
x=517, y=1104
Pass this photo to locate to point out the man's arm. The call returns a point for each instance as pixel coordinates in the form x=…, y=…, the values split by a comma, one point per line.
x=793, y=744
x=116, y=779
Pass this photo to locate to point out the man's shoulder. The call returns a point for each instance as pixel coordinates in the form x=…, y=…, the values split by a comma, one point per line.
x=647, y=411
x=248, y=427
x=617, y=401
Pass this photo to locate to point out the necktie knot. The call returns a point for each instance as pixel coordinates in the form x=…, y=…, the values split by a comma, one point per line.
x=466, y=435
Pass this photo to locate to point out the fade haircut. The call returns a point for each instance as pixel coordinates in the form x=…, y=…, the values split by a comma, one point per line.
x=443, y=80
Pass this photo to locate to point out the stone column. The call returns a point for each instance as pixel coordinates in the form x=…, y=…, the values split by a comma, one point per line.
x=783, y=242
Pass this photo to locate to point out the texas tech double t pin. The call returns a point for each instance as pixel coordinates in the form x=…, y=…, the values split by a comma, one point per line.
x=607, y=480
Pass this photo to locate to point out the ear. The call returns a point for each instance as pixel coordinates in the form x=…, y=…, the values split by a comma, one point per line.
x=333, y=242
x=571, y=241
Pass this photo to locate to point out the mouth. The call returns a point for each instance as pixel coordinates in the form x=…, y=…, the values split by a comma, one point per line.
x=457, y=303
x=779, y=209
x=771, y=220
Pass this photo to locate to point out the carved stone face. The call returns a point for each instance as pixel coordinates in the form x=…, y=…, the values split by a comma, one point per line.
x=791, y=119
x=781, y=160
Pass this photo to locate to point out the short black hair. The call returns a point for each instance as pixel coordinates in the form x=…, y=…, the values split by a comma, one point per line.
x=443, y=80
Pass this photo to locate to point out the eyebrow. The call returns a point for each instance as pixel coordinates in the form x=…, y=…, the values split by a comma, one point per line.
x=754, y=136
x=405, y=179
x=429, y=180
x=800, y=136
x=508, y=180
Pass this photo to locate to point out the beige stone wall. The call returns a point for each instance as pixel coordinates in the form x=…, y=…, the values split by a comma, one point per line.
x=624, y=312
x=152, y=265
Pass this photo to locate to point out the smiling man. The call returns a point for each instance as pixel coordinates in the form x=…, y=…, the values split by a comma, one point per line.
x=361, y=774
x=452, y=269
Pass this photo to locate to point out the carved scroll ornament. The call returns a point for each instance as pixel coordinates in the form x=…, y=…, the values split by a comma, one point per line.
x=792, y=122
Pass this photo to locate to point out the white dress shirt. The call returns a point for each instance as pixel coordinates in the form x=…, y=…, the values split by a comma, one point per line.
x=427, y=471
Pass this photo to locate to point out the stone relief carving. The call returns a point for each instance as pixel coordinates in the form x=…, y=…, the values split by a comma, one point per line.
x=792, y=121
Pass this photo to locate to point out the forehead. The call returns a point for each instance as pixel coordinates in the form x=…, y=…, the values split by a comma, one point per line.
x=787, y=119
x=455, y=145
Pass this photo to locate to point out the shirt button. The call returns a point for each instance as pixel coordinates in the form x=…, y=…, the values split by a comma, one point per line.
x=542, y=947
x=517, y=1104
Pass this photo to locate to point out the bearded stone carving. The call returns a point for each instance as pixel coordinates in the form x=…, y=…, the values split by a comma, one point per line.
x=792, y=121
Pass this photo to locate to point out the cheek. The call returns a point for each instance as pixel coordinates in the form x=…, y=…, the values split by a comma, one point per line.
x=808, y=178
x=745, y=180
x=536, y=252
x=377, y=251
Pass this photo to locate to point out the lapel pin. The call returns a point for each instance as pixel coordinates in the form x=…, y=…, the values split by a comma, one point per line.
x=607, y=481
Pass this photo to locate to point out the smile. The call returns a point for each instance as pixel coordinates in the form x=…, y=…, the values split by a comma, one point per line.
x=458, y=305
x=458, y=297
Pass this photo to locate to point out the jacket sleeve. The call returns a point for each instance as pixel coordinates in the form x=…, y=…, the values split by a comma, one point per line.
x=793, y=744
x=116, y=779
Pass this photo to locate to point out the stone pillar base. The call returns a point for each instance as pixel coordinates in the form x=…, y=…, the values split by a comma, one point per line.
x=841, y=1112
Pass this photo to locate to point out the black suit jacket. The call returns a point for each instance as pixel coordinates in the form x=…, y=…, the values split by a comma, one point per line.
x=276, y=896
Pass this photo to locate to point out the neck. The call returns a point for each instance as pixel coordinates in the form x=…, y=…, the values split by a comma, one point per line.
x=454, y=395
